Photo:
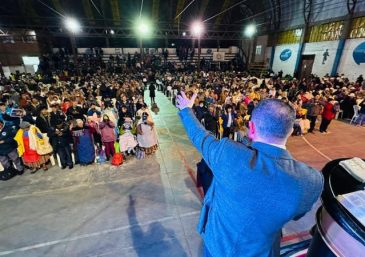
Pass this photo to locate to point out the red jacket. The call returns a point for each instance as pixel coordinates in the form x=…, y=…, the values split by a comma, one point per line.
x=328, y=111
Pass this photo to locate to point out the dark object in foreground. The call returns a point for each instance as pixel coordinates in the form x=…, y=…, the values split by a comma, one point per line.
x=338, y=232
x=204, y=175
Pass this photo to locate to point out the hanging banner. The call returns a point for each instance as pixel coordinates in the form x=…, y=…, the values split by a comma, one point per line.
x=219, y=56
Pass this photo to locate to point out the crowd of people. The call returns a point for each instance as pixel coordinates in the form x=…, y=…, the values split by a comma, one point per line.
x=226, y=100
x=80, y=117
x=74, y=119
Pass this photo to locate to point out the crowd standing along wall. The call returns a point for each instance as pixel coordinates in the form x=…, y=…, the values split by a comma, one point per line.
x=114, y=51
x=286, y=63
x=352, y=63
x=325, y=53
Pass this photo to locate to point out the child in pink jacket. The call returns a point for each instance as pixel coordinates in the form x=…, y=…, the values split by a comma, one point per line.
x=107, y=136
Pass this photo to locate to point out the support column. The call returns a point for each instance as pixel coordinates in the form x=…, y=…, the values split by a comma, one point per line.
x=272, y=56
x=141, y=50
x=107, y=41
x=307, y=11
x=74, y=48
x=351, y=4
x=300, y=50
x=199, y=53
x=253, y=50
x=166, y=41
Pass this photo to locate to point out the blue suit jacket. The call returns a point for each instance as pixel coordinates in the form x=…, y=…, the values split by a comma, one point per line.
x=255, y=191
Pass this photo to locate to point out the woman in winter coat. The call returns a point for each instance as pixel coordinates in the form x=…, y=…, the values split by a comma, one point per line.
x=107, y=135
x=328, y=115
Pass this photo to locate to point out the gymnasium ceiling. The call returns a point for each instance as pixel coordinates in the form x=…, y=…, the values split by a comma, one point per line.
x=122, y=13
x=219, y=15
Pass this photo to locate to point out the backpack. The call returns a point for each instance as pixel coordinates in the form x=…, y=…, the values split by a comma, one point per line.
x=117, y=159
x=140, y=154
x=101, y=158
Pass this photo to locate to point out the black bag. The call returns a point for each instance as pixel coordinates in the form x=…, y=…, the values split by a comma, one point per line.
x=8, y=173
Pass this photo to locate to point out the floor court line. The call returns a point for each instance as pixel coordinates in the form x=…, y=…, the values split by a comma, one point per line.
x=315, y=149
x=95, y=234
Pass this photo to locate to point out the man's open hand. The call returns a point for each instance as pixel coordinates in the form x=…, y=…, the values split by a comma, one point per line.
x=182, y=101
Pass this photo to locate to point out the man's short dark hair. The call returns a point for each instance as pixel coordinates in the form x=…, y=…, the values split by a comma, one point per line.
x=273, y=119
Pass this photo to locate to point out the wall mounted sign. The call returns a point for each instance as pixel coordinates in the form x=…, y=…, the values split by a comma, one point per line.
x=285, y=55
x=359, y=53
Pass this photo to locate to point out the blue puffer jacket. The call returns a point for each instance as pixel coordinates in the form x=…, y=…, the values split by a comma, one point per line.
x=255, y=191
x=7, y=135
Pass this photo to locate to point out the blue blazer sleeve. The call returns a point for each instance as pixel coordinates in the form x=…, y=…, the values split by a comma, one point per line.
x=204, y=141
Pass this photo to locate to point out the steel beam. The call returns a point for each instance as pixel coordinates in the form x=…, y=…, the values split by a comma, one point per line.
x=159, y=33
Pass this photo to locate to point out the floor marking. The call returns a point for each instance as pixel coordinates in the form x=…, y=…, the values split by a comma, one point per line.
x=65, y=189
x=95, y=234
x=315, y=149
x=188, y=170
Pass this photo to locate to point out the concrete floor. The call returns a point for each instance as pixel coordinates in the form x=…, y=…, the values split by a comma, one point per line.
x=146, y=207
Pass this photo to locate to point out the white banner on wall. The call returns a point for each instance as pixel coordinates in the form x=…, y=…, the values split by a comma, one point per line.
x=219, y=56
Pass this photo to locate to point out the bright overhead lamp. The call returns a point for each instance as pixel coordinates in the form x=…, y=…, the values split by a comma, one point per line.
x=250, y=30
x=143, y=28
x=112, y=32
x=72, y=25
x=197, y=28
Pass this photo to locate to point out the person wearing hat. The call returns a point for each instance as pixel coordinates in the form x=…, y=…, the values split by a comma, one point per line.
x=347, y=105
x=28, y=138
x=56, y=115
x=43, y=119
x=8, y=149
x=122, y=115
x=60, y=136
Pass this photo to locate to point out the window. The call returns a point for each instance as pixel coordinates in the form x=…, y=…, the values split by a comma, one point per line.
x=258, y=49
x=326, y=32
x=290, y=36
x=358, y=28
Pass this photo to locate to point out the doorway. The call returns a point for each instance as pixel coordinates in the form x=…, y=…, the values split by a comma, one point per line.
x=306, y=66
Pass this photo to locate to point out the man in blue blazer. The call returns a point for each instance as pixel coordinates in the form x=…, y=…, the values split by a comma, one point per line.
x=256, y=189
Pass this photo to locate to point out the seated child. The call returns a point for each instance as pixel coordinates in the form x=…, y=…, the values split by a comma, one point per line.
x=127, y=140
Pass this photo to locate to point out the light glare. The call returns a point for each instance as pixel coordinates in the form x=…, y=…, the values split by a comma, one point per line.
x=72, y=25
x=143, y=28
x=197, y=28
x=250, y=30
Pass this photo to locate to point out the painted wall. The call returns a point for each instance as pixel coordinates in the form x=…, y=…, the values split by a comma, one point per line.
x=348, y=66
x=287, y=66
x=320, y=66
x=11, y=53
x=261, y=41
